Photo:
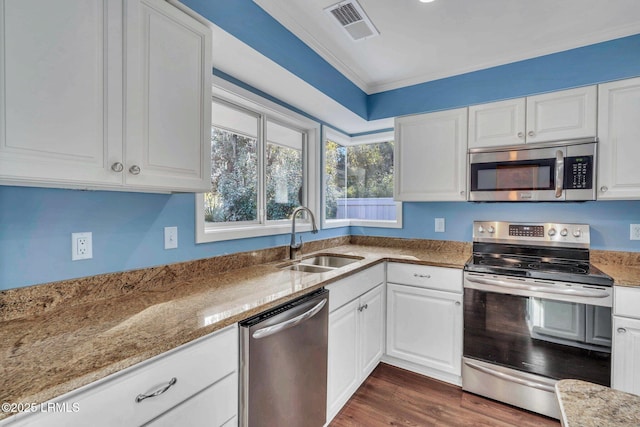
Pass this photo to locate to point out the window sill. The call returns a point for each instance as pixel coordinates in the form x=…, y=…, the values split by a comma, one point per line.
x=222, y=233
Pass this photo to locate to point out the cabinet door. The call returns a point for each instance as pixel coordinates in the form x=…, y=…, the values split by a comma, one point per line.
x=626, y=355
x=619, y=134
x=168, y=99
x=425, y=327
x=430, y=156
x=343, y=372
x=371, y=330
x=497, y=123
x=561, y=115
x=60, y=101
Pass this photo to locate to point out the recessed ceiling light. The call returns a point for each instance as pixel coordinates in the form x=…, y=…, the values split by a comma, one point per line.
x=426, y=1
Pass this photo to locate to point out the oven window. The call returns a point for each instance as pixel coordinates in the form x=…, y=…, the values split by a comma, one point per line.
x=512, y=176
x=555, y=339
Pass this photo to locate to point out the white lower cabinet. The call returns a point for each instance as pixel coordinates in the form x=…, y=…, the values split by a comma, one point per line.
x=625, y=362
x=193, y=385
x=356, y=335
x=424, y=320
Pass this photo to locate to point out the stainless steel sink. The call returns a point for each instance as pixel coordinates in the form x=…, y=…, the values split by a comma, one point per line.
x=321, y=263
x=333, y=261
x=307, y=268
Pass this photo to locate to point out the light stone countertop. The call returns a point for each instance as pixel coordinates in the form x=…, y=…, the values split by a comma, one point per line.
x=60, y=344
x=585, y=404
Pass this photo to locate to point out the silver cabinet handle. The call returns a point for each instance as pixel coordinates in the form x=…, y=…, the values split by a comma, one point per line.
x=591, y=293
x=622, y=330
x=531, y=133
x=511, y=378
x=422, y=276
x=134, y=170
x=457, y=302
x=462, y=193
x=520, y=134
x=117, y=167
x=274, y=329
x=141, y=397
x=363, y=307
x=604, y=188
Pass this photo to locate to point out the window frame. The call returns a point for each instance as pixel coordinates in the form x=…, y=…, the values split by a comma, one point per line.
x=345, y=140
x=229, y=93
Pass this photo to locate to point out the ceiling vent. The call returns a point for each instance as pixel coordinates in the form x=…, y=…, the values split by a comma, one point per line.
x=350, y=16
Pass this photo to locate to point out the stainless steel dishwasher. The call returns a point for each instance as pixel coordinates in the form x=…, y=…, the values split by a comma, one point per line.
x=283, y=364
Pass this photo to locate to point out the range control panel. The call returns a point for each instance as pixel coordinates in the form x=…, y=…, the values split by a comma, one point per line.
x=542, y=234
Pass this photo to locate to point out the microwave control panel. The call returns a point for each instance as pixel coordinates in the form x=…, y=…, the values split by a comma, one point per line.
x=578, y=172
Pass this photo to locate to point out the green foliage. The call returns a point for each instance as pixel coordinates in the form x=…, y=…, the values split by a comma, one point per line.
x=234, y=179
x=360, y=171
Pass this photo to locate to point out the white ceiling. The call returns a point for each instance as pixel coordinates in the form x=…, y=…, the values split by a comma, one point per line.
x=420, y=42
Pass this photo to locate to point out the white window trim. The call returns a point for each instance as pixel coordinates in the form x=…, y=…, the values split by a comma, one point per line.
x=345, y=140
x=229, y=92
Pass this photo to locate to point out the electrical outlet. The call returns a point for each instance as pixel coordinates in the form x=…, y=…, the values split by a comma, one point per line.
x=439, y=226
x=634, y=232
x=170, y=237
x=81, y=246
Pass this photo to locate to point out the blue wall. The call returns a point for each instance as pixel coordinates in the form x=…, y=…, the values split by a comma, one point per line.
x=612, y=60
x=609, y=221
x=128, y=233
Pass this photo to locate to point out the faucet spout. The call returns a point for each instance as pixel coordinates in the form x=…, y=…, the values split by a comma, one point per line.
x=298, y=245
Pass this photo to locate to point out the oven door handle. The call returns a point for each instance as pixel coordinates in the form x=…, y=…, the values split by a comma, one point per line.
x=559, y=173
x=591, y=293
x=511, y=378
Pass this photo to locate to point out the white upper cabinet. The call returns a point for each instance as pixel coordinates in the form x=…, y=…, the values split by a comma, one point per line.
x=554, y=116
x=430, y=156
x=619, y=136
x=60, y=90
x=168, y=131
x=74, y=117
x=566, y=114
x=498, y=123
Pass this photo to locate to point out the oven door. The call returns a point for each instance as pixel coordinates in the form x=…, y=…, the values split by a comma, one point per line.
x=552, y=330
x=517, y=175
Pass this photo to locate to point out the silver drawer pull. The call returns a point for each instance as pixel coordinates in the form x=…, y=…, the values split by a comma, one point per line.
x=363, y=307
x=141, y=397
x=622, y=331
x=422, y=276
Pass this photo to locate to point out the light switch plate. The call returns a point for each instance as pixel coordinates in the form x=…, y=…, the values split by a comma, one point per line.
x=634, y=232
x=170, y=237
x=439, y=225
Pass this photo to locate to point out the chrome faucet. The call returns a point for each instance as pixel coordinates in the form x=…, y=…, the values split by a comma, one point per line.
x=293, y=247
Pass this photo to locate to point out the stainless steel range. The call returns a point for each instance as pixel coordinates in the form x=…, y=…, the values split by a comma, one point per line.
x=535, y=311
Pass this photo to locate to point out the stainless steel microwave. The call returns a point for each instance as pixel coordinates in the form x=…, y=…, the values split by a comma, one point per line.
x=552, y=171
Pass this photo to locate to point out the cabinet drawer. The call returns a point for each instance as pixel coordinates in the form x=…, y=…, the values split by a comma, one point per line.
x=626, y=302
x=214, y=406
x=425, y=276
x=350, y=288
x=112, y=400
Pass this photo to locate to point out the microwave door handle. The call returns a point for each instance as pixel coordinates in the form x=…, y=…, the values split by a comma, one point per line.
x=559, y=173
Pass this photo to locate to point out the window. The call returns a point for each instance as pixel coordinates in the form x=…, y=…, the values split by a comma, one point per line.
x=261, y=170
x=358, y=177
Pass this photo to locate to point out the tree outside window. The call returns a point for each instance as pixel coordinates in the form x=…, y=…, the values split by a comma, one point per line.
x=359, y=181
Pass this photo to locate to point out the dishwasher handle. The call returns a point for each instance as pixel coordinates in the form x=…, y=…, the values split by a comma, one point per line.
x=274, y=329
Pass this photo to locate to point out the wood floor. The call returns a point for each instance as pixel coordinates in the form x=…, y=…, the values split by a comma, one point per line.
x=394, y=397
